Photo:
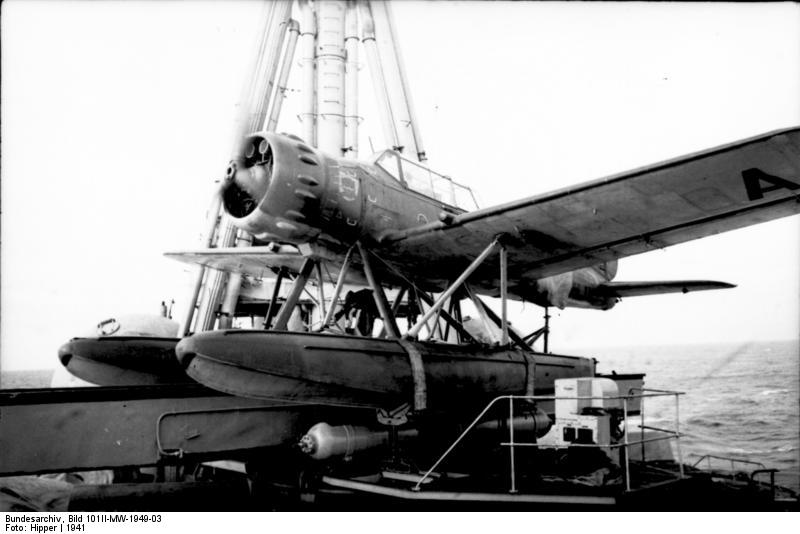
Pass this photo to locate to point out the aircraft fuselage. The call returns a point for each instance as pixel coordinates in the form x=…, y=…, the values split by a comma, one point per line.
x=282, y=190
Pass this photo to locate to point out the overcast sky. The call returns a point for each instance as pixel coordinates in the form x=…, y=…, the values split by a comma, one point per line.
x=117, y=120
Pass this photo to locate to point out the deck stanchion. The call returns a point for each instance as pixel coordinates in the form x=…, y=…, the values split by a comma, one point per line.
x=641, y=425
x=678, y=434
x=625, y=448
x=511, y=443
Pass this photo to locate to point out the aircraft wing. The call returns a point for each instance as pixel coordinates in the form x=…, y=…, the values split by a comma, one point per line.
x=702, y=194
x=258, y=262
x=639, y=289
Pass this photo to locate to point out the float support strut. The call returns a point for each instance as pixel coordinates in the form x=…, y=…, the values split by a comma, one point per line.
x=273, y=303
x=454, y=322
x=294, y=294
x=504, y=295
x=546, y=330
x=378, y=294
x=414, y=331
x=338, y=289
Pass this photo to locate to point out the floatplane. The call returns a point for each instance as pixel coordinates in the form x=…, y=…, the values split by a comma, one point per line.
x=364, y=377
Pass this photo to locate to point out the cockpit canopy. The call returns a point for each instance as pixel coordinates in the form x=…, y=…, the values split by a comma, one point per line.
x=425, y=181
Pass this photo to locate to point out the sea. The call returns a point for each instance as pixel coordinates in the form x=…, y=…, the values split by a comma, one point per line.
x=739, y=400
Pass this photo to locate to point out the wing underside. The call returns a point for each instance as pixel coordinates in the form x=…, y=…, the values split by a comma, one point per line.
x=260, y=262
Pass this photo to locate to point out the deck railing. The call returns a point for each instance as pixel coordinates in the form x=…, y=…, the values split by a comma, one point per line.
x=733, y=461
x=625, y=445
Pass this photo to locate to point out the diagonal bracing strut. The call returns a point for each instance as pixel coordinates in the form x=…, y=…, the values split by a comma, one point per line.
x=380, y=297
x=414, y=331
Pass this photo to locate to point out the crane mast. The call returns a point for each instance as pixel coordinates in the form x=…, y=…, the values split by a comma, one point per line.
x=330, y=35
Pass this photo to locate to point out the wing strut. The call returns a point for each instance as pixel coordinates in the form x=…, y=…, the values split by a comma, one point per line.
x=433, y=310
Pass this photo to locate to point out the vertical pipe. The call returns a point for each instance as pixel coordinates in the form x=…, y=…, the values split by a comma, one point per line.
x=286, y=67
x=212, y=220
x=351, y=41
x=504, y=294
x=257, y=95
x=378, y=294
x=308, y=36
x=625, y=436
x=419, y=150
x=265, y=89
x=330, y=63
x=546, y=330
x=247, y=102
x=254, y=100
x=678, y=433
x=215, y=281
x=378, y=79
x=294, y=295
x=393, y=78
x=243, y=239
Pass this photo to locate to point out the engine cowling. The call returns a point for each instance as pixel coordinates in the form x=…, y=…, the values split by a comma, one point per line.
x=275, y=188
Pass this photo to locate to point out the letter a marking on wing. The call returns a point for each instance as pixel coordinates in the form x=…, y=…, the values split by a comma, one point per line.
x=753, y=179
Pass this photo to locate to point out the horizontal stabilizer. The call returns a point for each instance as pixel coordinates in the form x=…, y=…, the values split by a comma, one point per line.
x=638, y=289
